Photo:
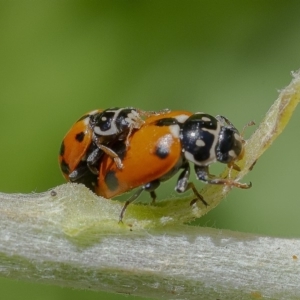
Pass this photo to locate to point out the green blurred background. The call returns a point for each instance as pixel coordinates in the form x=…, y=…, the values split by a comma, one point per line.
x=60, y=59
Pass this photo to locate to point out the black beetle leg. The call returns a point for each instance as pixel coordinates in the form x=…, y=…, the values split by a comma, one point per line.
x=149, y=187
x=183, y=184
x=78, y=173
x=92, y=160
x=131, y=199
x=203, y=174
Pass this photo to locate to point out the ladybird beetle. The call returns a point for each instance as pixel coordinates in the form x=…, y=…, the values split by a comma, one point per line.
x=90, y=137
x=164, y=145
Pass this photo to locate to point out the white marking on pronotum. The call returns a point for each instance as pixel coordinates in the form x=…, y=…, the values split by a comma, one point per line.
x=200, y=143
x=181, y=118
x=205, y=119
x=175, y=130
x=190, y=157
x=86, y=120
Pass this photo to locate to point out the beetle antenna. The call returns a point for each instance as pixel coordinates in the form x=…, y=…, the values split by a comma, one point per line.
x=251, y=123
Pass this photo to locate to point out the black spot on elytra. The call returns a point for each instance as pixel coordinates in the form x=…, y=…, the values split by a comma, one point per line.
x=79, y=136
x=62, y=149
x=65, y=167
x=162, y=151
x=111, y=180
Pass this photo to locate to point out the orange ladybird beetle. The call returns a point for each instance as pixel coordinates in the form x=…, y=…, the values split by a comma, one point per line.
x=90, y=137
x=166, y=144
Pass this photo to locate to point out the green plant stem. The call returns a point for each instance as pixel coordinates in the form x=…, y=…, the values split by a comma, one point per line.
x=166, y=263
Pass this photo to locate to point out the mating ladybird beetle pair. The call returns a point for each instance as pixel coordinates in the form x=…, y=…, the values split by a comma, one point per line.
x=89, y=139
x=112, y=159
